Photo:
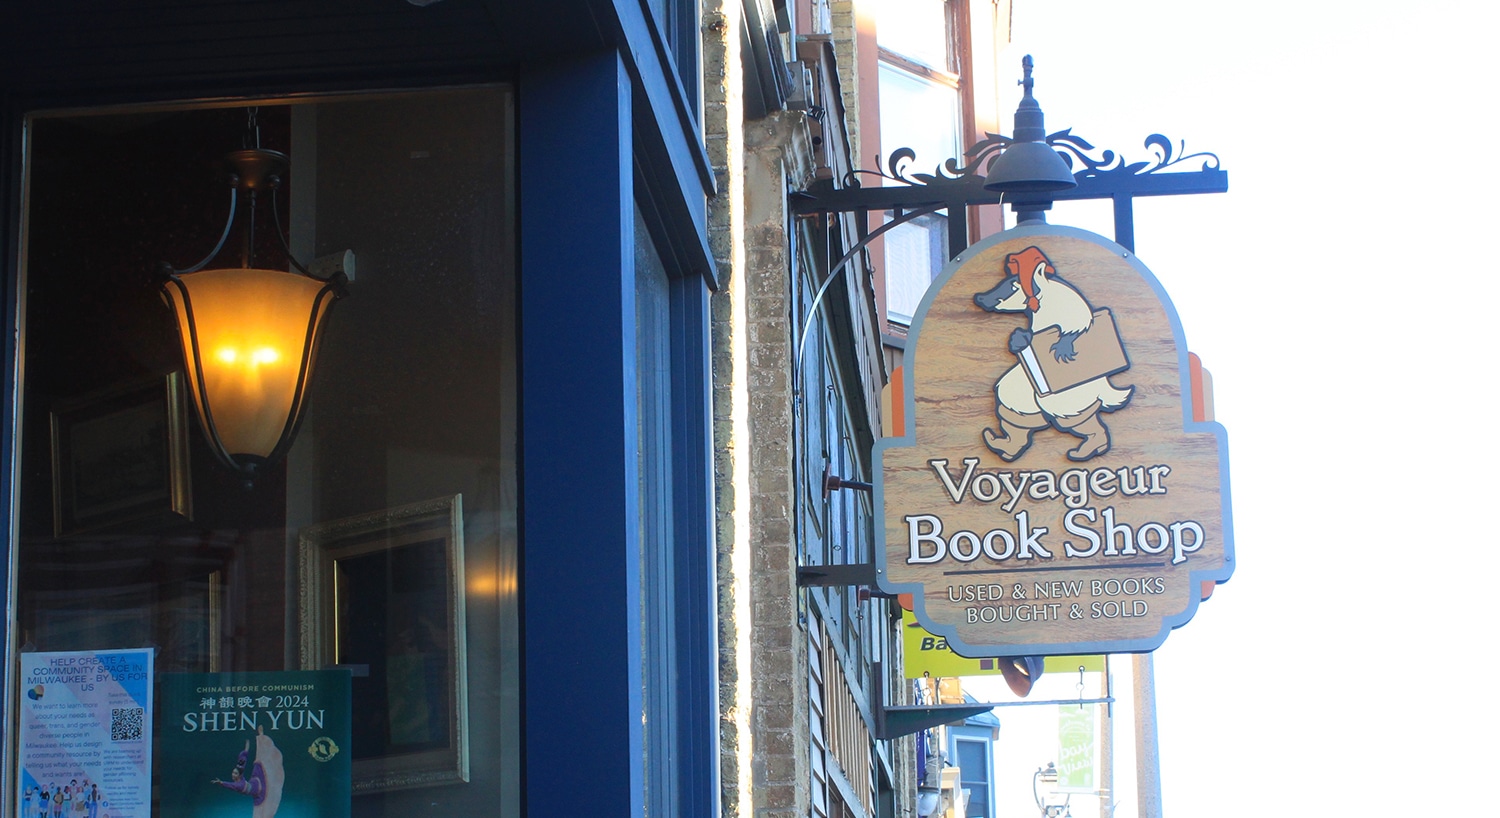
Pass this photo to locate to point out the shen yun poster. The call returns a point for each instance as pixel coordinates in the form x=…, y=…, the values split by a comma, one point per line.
x=254, y=745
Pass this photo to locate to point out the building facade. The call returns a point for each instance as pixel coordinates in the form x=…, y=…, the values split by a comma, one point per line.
x=516, y=521
x=565, y=462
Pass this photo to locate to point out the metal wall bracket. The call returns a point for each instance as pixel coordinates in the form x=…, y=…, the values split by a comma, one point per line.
x=822, y=576
x=861, y=575
x=903, y=720
x=832, y=482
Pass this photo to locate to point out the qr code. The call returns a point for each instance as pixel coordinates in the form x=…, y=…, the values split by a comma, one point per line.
x=126, y=723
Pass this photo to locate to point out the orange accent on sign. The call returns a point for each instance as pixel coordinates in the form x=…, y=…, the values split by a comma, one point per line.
x=898, y=402
x=1207, y=589
x=1195, y=375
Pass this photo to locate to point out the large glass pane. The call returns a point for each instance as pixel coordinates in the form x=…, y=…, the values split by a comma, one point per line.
x=929, y=125
x=921, y=114
x=915, y=253
x=381, y=549
x=915, y=29
x=974, y=771
x=658, y=544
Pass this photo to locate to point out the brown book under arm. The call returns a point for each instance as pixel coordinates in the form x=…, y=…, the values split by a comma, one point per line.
x=1099, y=352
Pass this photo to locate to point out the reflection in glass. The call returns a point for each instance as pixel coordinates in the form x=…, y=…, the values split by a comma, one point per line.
x=415, y=400
x=915, y=29
x=915, y=253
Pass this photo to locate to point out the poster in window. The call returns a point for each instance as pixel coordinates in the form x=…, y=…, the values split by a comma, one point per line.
x=254, y=745
x=85, y=749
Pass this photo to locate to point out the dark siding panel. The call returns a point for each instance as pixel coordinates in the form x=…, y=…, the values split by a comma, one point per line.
x=78, y=45
x=61, y=49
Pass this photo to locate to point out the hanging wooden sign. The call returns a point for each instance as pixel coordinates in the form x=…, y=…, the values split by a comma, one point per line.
x=1051, y=492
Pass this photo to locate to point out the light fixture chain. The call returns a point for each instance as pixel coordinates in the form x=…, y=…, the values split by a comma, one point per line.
x=252, y=127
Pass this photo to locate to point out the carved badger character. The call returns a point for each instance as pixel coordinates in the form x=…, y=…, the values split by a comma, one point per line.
x=1031, y=287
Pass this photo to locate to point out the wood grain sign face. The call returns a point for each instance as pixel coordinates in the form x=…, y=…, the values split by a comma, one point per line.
x=1052, y=493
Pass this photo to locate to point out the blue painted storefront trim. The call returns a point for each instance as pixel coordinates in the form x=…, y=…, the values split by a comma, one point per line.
x=670, y=142
x=580, y=555
x=693, y=493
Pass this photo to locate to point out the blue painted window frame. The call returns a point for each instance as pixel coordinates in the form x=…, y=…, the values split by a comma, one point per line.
x=981, y=736
x=584, y=633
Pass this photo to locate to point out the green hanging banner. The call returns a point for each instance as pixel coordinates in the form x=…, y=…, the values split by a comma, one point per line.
x=1077, y=748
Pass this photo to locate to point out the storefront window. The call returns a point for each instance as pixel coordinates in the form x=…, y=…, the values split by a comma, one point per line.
x=917, y=80
x=381, y=549
x=654, y=401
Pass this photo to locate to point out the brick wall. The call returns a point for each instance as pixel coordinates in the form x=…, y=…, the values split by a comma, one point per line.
x=776, y=159
x=723, y=83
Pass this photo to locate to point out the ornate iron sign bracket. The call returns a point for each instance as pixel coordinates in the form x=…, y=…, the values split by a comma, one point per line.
x=1101, y=174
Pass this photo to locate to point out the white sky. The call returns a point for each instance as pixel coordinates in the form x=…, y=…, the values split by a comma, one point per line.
x=1342, y=292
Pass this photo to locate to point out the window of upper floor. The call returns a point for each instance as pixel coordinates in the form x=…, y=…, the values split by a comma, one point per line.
x=922, y=108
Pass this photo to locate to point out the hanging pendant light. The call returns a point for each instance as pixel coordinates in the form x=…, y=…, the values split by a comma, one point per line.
x=250, y=334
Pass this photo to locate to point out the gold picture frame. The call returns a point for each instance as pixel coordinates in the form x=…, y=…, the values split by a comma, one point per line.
x=181, y=616
x=382, y=594
x=120, y=458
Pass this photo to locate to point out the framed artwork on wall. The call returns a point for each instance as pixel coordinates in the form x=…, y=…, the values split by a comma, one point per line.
x=120, y=458
x=181, y=616
x=382, y=595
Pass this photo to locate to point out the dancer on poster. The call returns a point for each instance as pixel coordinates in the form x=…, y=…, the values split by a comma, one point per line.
x=267, y=776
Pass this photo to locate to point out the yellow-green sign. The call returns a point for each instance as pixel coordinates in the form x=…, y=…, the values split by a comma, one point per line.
x=929, y=655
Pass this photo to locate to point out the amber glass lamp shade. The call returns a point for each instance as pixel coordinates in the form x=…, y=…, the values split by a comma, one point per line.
x=249, y=339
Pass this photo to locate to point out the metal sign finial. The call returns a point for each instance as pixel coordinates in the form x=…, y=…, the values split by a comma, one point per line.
x=1029, y=127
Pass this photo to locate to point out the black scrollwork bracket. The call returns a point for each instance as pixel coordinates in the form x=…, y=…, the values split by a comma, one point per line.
x=1101, y=174
x=1109, y=164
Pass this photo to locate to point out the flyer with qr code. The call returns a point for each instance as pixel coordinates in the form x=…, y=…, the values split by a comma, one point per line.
x=254, y=745
x=85, y=734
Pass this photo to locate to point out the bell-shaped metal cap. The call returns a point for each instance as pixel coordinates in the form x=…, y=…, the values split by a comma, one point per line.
x=1029, y=167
